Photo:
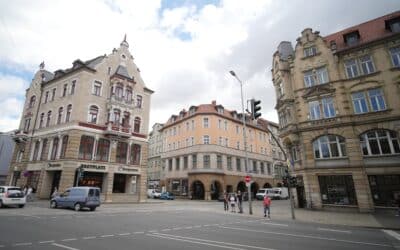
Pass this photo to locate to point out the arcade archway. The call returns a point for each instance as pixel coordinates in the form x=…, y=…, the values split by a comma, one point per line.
x=215, y=189
x=241, y=186
x=267, y=185
x=254, y=188
x=197, y=190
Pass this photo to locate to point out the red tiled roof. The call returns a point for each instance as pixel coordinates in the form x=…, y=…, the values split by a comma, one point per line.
x=369, y=31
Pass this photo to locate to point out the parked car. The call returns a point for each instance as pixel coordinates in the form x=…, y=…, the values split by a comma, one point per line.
x=77, y=198
x=153, y=193
x=280, y=193
x=264, y=192
x=12, y=196
x=167, y=196
x=156, y=194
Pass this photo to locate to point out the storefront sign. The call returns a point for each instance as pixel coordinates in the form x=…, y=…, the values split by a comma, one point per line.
x=56, y=165
x=127, y=169
x=94, y=167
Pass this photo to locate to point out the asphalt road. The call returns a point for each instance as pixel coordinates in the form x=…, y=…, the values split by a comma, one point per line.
x=174, y=225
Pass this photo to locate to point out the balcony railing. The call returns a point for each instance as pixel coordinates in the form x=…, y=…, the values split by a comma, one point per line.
x=118, y=129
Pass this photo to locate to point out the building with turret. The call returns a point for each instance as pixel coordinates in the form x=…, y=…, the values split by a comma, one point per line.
x=339, y=113
x=92, y=117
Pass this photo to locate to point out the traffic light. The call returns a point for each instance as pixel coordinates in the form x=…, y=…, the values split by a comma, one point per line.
x=255, y=109
x=293, y=181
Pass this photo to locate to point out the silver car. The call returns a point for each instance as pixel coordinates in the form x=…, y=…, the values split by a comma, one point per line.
x=12, y=196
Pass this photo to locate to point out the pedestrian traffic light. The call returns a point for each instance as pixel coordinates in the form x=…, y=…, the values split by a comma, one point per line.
x=255, y=109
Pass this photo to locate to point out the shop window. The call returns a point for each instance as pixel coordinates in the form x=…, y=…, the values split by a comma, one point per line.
x=119, y=183
x=337, y=190
x=176, y=185
x=86, y=147
x=103, y=149
x=92, y=179
x=122, y=149
x=135, y=154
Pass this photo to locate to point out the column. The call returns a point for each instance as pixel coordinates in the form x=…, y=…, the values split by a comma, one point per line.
x=109, y=181
x=95, y=144
x=128, y=155
x=51, y=141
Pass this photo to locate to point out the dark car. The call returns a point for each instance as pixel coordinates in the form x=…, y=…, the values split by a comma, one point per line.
x=167, y=196
x=77, y=198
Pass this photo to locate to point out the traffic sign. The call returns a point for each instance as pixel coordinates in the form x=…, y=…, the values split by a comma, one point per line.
x=247, y=179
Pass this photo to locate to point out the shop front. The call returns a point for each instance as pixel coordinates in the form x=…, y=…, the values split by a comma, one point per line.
x=337, y=190
x=385, y=190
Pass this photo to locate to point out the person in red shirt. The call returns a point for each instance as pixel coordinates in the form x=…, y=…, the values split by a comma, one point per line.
x=267, y=206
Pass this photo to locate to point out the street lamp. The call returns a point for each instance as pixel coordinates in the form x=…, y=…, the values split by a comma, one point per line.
x=244, y=138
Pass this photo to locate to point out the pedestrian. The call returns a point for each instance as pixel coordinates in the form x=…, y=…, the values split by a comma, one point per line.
x=267, y=206
x=232, y=199
x=25, y=190
x=55, y=192
x=29, y=194
x=239, y=201
x=226, y=201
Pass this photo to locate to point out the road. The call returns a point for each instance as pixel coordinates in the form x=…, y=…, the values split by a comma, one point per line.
x=174, y=225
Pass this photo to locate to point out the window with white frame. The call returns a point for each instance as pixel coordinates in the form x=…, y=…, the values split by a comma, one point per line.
x=357, y=66
x=96, y=88
x=219, y=123
x=206, y=139
x=351, y=68
x=380, y=142
x=316, y=76
x=206, y=161
x=329, y=146
x=395, y=55
x=326, y=105
x=139, y=101
x=322, y=75
x=367, y=65
x=220, y=141
x=368, y=101
x=309, y=78
x=93, y=113
x=205, y=122
x=310, y=51
x=314, y=109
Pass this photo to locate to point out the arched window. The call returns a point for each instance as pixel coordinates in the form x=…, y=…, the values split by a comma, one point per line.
x=54, y=149
x=64, y=146
x=36, y=151
x=43, y=154
x=32, y=102
x=69, y=110
x=136, y=126
x=139, y=101
x=135, y=154
x=117, y=116
x=48, y=118
x=329, y=146
x=41, y=120
x=128, y=94
x=93, y=113
x=122, y=150
x=86, y=147
x=60, y=114
x=380, y=142
x=103, y=150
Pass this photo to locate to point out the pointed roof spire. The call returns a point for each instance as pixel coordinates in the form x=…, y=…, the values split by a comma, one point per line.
x=124, y=42
x=41, y=65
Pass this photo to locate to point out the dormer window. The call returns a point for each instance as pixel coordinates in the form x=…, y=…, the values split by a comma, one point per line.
x=310, y=51
x=220, y=110
x=352, y=38
x=393, y=24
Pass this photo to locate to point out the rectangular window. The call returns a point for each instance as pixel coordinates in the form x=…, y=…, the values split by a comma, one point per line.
x=219, y=161
x=97, y=88
x=359, y=103
x=310, y=51
x=229, y=162
x=376, y=100
x=139, y=101
x=135, y=154
x=185, y=162
x=177, y=163
x=103, y=149
x=53, y=94
x=122, y=150
x=205, y=122
x=322, y=75
x=309, y=79
x=367, y=65
x=194, y=161
x=328, y=107
x=395, y=55
x=238, y=164
x=262, y=170
x=206, y=139
x=206, y=161
x=351, y=68
x=46, y=97
x=315, y=112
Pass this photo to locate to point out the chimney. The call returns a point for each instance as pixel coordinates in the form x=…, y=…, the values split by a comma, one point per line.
x=214, y=102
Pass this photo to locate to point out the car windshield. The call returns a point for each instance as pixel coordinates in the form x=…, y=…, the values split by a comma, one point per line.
x=14, y=189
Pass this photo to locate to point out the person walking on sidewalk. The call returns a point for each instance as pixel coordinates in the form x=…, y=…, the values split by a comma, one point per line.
x=226, y=201
x=267, y=206
x=239, y=201
x=232, y=199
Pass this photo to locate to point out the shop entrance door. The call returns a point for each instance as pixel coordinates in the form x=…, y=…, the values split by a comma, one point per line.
x=56, y=181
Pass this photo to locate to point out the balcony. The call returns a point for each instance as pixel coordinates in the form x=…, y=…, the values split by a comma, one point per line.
x=114, y=99
x=118, y=130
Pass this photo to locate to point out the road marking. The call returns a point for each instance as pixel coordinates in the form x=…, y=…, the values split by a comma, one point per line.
x=72, y=239
x=124, y=234
x=2, y=246
x=392, y=233
x=167, y=229
x=206, y=225
x=138, y=232
x=197, y=226
x=63, y=246
x=176, y=228
x=23, y=244
x=275, y=224
x=32, y=216
x=212, y=241
x=89, y=237
x=45, y=242
x=308, y=236
x=334, y=230
x=188, y=227
x=107, y=235
x=152, y=231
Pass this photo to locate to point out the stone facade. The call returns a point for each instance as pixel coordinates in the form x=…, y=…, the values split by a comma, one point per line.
x=154, y=161
x=339, y=110
x=91, y=117
x=203, y=153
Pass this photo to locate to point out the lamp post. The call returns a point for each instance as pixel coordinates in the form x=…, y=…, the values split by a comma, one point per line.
x=244, y=138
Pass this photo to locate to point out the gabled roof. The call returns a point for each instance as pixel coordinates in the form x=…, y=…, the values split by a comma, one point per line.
x=123, y=72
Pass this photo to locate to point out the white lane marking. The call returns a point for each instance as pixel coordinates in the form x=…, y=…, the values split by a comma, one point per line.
x=23, y=244
x=45, y=242
x=334, y=230
x=167, y=229
x=138, y=232
x=206, y=225
x=194, y=242
x=32, y=216
x=308, y=236
x=107, y=235
x=64, y=246
x=275, y=224
x=2, y=246
x=213, y=241
x=392, y=233
x=124, y=234
x=176, y=228
x=153, y=231
x=72, y=239
x=188, y=227
x=89, y=237
x=197, y=226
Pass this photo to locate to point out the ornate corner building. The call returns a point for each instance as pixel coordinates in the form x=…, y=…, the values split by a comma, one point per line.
x=92, y=117
x=203, y=153
x=338, y=102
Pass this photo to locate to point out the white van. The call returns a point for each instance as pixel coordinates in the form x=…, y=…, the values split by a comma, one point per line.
x=280, y=193
x=264, y=192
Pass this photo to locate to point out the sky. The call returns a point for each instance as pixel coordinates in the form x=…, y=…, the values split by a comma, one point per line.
x=184, y=48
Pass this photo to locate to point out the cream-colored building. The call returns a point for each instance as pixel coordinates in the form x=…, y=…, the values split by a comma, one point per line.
x=93, y=116
x=203, y=152
x=154, y=160
x=339, y=110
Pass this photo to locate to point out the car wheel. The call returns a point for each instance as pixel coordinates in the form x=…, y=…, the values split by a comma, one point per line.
x=92, y=208
x=77, y=207
x=21, y=206
x=53, y=204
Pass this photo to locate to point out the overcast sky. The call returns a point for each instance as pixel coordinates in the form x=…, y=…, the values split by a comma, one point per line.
x=184, y=48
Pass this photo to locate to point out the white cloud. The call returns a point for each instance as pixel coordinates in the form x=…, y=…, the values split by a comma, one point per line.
x=234, y=34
